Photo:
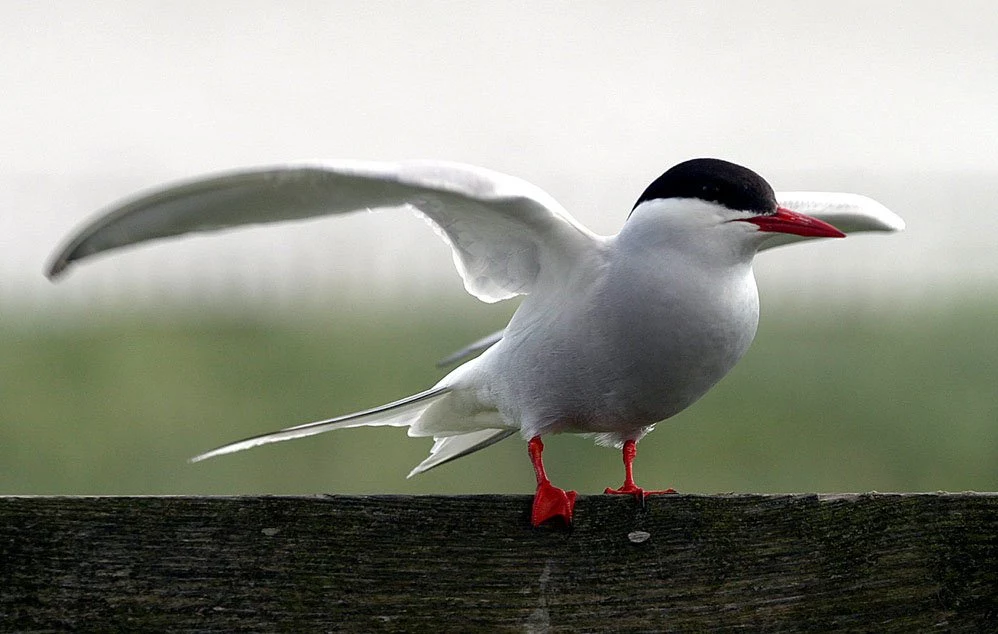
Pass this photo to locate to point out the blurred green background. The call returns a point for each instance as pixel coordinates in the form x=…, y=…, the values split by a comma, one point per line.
x=831, y=400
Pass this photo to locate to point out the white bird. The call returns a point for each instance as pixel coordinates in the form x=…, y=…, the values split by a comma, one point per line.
x=615, y=334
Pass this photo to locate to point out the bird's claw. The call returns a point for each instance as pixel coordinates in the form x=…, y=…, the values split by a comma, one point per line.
x=550, y=502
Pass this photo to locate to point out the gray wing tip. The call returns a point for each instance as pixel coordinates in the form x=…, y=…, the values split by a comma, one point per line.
x=57, y=267
x=69, y=251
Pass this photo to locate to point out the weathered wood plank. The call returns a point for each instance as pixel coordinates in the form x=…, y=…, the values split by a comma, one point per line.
x=872, y=562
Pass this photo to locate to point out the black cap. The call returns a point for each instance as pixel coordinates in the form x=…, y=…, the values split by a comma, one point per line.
x=728, y=184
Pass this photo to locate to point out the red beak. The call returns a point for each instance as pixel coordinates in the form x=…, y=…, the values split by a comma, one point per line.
x=786, y=221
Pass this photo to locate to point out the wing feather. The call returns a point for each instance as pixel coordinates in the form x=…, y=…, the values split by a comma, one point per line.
x=849, y=213
x=503, y=231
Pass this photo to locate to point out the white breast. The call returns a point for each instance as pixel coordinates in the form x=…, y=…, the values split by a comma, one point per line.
x=629, y=341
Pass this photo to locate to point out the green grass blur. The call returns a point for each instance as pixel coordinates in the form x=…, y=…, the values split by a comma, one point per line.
x=835, y=402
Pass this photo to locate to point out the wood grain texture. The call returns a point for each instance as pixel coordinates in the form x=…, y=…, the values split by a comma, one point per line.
x=887, y=563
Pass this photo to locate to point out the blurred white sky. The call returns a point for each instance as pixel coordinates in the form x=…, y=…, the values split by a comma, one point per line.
x=590, y=101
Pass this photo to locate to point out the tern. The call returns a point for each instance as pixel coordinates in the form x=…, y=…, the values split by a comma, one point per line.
x=615, y=333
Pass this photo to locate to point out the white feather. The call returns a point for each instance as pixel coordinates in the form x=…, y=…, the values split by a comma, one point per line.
x=399, y=413
x=447, y=448
x=503, y=231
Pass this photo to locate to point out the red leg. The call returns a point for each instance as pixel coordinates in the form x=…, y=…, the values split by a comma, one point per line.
x=629, y=488
x=549, y=501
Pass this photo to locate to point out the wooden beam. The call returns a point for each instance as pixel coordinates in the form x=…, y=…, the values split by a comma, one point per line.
x=886, y=563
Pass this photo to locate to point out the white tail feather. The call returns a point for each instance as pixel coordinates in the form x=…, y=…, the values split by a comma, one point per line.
x=449, y=448
x=398, y=413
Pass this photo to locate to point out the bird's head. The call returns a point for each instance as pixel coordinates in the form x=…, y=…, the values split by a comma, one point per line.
x=715, y=204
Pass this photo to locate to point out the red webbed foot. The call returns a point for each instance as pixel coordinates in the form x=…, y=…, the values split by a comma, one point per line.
x=629, y=488
x=636, y=491
x=550, y=502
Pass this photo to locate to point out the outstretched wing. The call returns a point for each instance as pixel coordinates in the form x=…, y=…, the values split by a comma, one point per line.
x=849, y=213
x=503, y=231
